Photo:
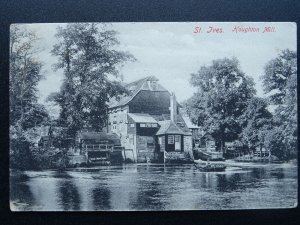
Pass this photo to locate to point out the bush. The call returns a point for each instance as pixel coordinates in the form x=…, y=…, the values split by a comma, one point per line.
x=20, y=156
x=274, y=141
x=24, y=156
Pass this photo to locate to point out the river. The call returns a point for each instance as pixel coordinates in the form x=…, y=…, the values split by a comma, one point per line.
x=155, y=187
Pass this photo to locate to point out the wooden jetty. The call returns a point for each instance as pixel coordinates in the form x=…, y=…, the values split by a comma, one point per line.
x=261, y=156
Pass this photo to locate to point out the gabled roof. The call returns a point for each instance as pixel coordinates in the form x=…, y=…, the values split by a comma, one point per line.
x=141, y=118
x=134, y=88
x=168, y=127
x=207, y=136
x=180, y=123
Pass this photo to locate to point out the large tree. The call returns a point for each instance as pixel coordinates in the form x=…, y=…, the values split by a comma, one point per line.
x=277, y=75
x=26, y=114
x=256, y=122
x=25, y=73
x=280, y=83
x=87, y=54
x=221, y=98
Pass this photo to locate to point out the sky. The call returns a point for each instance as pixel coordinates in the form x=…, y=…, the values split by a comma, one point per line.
x=172, y=51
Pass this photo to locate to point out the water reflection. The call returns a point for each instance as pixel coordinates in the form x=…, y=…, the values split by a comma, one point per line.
x=155, y=187
x=101, y=198
x=278, y=173
x=229, y=183
x=69, y=197
x=20, y=193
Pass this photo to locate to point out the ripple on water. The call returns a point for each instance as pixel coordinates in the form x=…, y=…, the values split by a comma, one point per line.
x=157, y=187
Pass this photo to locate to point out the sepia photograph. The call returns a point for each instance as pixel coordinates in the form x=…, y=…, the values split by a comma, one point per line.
x=153, y=116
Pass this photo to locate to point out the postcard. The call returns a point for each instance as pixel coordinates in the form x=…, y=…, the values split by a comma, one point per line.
x=153, y=116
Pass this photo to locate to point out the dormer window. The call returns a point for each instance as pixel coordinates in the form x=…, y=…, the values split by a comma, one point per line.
x=152, y=85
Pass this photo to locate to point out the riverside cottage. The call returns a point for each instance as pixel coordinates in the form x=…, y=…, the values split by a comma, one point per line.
x=149, y=125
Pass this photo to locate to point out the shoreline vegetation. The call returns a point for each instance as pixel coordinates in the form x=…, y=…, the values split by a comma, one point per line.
x=224, y=105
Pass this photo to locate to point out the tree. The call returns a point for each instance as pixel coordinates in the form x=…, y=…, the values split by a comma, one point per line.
x=25, y=73
x=86, y=52
x=25, y=112
x=221, y=98
x=256, y=122
x=280, y=82
x=277, y=74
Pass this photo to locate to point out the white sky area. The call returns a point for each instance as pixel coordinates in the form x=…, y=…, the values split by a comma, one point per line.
x=172, y=51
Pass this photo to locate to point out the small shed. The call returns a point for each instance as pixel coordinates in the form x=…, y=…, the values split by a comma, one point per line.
x=99, y=147
x=170, y=136
x=208, y=141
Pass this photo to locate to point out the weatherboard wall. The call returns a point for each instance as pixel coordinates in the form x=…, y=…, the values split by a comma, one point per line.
x=151, y=102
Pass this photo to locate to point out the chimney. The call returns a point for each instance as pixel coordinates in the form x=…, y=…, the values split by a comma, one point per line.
x=173, y=107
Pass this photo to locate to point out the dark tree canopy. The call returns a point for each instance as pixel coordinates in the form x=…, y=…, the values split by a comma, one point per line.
x=280, y=81
x=222, y=96
x=86, y=52
x=256, y=122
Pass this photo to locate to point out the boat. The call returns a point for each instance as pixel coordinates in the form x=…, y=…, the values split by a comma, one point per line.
x=209, y=167
x=212, y=155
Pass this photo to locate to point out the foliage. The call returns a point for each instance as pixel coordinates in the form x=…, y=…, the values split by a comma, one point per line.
x=90, y=62
x=256, y=122
x=25, y=112
x=278, y=73
x=280, y=81
x=274, y=141
x=222, y=96
x=20, y=156
x=25, y=73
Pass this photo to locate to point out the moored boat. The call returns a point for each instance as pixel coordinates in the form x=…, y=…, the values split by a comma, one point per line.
x=212, y=155
x=208, y=167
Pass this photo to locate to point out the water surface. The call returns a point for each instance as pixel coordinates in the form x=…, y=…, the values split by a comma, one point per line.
x=155, y=187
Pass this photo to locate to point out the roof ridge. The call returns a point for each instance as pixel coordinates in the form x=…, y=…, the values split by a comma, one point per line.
x=170, y=121
x=137, y=81
x=135, y=87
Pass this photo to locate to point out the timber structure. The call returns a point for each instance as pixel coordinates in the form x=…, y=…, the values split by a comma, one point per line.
x=149, y=125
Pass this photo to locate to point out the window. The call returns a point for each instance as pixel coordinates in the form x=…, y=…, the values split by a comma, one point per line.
x=170, y=139
x=153, y=85
x=177, y=143
x=148, y=125
x=160, y=139
x=132, y=125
